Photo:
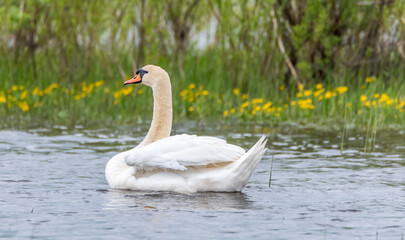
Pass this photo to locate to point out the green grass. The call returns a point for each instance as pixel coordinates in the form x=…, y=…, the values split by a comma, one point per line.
x=204, y=69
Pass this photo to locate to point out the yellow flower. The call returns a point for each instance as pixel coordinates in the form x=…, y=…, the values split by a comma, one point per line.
x=384, y=98
x=374, y=103
x=328, y=94
x=117, y=94
x=76, y=97
x=191, y=99
x=318, y=86
x=21, y=87
x=348, y=105
x=127, y=91
x=318, y=92
x=99, y=83
x=376, y=95
x=400, y=104
x=307, y=92
x=370, y=79
x=23, y=106
x=306, y=104
x=140, y=91
x=40, y=93
x=293, y=103
x=90, y=88
x=299, y=94
x=35, y=91
x=300, y=87
x=271, y=109
x=341, y=89
x=2, y=99
x=245, y=104
x=191, y=109
x=236, y=91
x=257, y=108
x=14, y=88
x=54, y=85
x=363, y=98
x=367, y=103
x=191, y=86
x=205, y=93
x=47, y=90
x=183, y=93
x=244, y=97
x=232, y=111
x=225, y=113
x=320, y=98
x=282, y=87
x=106, y=90
x=257, y=100
x=267, y=105
x=23, y=95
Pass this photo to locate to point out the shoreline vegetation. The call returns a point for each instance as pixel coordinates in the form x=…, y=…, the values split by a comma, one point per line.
x=98, y=102
x=267, y=62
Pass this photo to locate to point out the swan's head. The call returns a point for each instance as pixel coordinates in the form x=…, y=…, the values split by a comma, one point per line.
x=149, y=75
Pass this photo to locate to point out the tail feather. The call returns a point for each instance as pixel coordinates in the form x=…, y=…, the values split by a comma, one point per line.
x=244, y=167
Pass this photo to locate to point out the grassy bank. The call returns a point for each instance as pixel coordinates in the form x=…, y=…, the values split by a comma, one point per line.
x=319, y=62
x=203, y=93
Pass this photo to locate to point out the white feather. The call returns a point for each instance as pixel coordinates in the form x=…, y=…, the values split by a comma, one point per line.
x=182, y=151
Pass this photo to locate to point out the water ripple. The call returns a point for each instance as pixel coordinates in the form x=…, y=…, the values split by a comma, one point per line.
x=53, y=184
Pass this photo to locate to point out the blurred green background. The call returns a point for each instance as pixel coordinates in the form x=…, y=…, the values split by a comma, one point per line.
x=310, y=61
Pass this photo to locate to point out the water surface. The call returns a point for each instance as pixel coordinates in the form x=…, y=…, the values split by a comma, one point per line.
x=53, y=187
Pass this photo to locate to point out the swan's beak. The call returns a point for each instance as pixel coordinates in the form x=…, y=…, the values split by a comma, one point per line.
x=134, y=80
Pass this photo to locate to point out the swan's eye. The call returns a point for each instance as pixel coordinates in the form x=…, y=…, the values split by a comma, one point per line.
x=141, y=72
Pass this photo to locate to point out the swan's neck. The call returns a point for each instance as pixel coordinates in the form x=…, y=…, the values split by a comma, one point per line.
x=162, y=113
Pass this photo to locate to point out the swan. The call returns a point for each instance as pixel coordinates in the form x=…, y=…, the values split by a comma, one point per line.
x=181, y=163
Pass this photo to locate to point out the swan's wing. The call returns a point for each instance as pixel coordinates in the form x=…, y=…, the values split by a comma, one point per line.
x=182, y=151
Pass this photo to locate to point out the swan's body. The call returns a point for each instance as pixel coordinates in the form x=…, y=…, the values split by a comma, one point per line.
x=181, y=163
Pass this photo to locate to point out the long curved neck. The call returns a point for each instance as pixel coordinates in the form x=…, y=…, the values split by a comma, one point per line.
x=161, y=125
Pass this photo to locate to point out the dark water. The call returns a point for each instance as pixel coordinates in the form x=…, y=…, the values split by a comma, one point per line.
x=53, y=187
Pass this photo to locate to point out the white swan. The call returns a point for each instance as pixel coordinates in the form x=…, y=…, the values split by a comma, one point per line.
x=181, y=163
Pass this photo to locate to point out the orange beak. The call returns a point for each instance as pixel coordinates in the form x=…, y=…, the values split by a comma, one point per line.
x=134, y=80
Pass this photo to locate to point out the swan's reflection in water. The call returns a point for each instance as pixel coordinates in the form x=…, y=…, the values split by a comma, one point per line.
x=168, y=200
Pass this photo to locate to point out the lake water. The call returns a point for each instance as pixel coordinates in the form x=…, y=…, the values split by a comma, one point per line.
x=53, y=187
